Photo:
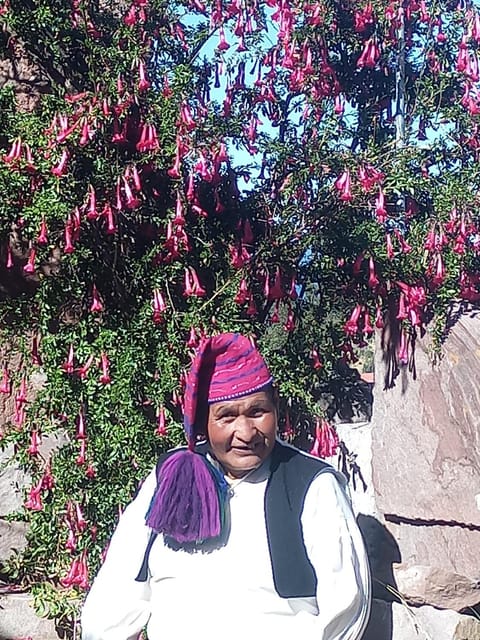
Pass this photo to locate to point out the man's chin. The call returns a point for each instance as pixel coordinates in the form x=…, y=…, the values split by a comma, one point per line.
x=240, y=464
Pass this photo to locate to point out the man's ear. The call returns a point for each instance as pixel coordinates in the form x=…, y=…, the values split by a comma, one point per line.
x=201, y=421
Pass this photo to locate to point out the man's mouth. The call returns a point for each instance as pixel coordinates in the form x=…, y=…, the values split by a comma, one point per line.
x=245, y=449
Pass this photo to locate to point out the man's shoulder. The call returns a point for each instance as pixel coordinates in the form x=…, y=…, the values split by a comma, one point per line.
x=289, y=454
x=300, y=464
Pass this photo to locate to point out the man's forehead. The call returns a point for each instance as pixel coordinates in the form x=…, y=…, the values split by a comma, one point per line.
x=252, y=398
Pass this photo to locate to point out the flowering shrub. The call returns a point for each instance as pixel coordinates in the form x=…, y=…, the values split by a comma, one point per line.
x=300, y=171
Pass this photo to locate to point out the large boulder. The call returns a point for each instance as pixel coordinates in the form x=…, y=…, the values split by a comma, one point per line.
x=426, y=464
x=396, y=621
x=18, y=620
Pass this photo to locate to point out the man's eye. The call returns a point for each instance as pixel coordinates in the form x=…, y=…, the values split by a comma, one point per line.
x=226, y=417
x=257, y=413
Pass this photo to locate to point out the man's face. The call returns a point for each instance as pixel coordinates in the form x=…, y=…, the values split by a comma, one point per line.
x=242, y=432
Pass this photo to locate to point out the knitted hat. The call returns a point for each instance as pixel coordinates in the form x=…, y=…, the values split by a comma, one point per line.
x=226, y=367
x=189, y=501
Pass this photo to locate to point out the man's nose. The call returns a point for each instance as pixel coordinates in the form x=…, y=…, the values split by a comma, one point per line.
x=245, y=429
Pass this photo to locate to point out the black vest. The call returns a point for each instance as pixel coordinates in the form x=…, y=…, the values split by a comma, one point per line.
x=291, y=474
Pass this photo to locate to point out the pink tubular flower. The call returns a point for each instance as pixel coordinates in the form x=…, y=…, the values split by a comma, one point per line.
x=81, y=426
x=364, y=18
x=315, y=359
x=15, y=151
x=34, y=500
x=402, y=311
x=276, y=292
x=439, y=275
x=290, y=321
x=96, y=305
x=130, y=18
x=84, y=369
x=5, y=386
x=68, y=366
x=390, y=251
x=239, y=255
x=34, y=443
x=71, y=543
x=372, y=277
x=148, y=138
x=275, y=317
x=80, y=521
x=343, y=185
x=351, y=326
x=186, y=119
x=70, y=579
x=192, y=284
x=179, y=219
x=92, y=213
x=69, y=246
x=42, y=237
x=159, y=306
x=380, y=210
x=9, y=261
x=161, y=423
x=21, y=396
x=30, y=266
x=108, y=215
x=326, y=440
x=131, y=201
x=339, y=105
x=368, y=177
x=192, y=342
x=90, y=472
x=404, y=246
x=243, y=293
x=369, y=56
x=61, y=169
x=78, y=573
x=292, y=294
x=81, y=458
x=105, y=377
x=367, y=326
x=223, y=44
x=48, y=481
x=143, y=83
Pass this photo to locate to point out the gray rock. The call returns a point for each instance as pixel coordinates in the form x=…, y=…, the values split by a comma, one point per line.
x=443, y=589
x=18, y=620
x=12, y=481
x=394, y=621
x=358, y=440
x=426, y=453
x=12, y=538
x=52, y=442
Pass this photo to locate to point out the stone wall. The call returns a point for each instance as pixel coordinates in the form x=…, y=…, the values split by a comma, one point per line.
x=420, y=515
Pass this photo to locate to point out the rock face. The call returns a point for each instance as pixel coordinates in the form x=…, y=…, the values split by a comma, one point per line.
x=400, y=622
x=18, y=620
x=426, y=468
x=443, y=589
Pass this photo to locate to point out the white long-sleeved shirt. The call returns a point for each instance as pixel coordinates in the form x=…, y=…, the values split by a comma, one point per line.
x=229, y=592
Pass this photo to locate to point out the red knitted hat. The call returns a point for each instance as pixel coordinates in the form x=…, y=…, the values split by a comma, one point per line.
x=226, y=367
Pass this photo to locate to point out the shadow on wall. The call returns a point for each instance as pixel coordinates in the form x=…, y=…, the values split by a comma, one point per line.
x=383, y=551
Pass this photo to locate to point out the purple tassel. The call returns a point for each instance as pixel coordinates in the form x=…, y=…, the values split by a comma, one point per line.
x=186, y=504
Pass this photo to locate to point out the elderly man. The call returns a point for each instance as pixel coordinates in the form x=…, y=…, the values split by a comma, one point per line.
x=237, y=536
